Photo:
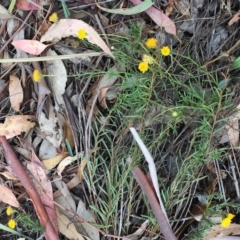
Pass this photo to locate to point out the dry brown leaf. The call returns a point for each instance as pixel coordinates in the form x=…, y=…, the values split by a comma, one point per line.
x=159, y=18
x=67, y=228
x=140, y=231
x=9, y=175
x=233, y=131
x=15, y=125
x=44, y=187
x=81, y=169
x=52, y=162
x=85, y=228
x=7, y=196
x=71, y=184
x=15, y=92
x=235, y=18
x=44, y=26
x=67, y=161
x=68, y=133
x=183, y=7
x=218, y=230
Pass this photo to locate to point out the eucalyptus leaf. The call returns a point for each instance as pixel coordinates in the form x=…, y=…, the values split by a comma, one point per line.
x=130, y=11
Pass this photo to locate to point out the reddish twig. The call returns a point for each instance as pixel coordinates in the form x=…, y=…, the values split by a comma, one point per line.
x=18, y=170
x=145, y=186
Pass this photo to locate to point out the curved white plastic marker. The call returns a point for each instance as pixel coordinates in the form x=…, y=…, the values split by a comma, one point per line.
x=151, y=166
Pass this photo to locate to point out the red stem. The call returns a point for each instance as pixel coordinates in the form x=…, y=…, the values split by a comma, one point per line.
x=18, y=170
x=161, y=219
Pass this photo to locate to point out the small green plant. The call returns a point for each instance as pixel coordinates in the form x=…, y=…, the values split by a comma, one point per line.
x=23, y=220
x=176, y=106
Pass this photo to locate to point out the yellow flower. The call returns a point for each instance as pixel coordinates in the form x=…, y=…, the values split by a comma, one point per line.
x=37, y=75
x=9, y=210
x=226, y=222
x=165, y=51
x=53, y=18
x=12, y=223
x=230, y=216
x=81, y=34
x=143, y=67
x=148, y=59
x=151, y=43
x=174, y=114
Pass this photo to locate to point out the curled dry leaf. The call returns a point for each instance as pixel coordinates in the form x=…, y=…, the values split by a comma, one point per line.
x=67, y=161
x=15, y=125
x=70, y=27
x=159, y=18
x=33, y=47
x=52, y=162
x=15, y=92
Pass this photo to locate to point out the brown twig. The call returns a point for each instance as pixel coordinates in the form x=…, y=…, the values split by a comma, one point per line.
x=145, y=186
x=18, y=170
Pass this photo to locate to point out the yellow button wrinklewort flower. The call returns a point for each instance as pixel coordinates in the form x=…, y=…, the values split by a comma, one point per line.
x=174, y=114
x=226, y=222
x=9, y=210
x=81, y=34
x=230, y=216
x=151, y=43
x=143, y=67
x=148, y=59
x=53, y=18
x=12, y=223
x=37, y=75
x=165, y=51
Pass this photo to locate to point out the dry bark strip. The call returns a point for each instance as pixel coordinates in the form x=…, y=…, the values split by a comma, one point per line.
x=147, y=189
x=18, y=170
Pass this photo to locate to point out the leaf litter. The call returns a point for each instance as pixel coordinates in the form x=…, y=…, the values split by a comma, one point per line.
x=71, y=134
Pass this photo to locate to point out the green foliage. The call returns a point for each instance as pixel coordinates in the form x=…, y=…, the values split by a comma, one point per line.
x=25, y=221
x=198, y=105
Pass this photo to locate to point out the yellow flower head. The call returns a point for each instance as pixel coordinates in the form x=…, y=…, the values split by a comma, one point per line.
x=81, y=34
x=165, y=51
x=9, y=210
x=53, y=18
x=230, y=216
x=12, y=223
x=174, y=114
x=151, y=43
x=148, y=59
x=143, y=67
x=37, y=75
x=226, y=222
